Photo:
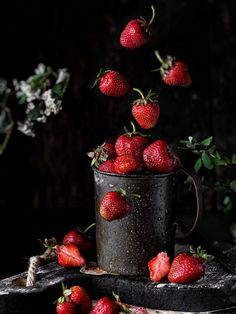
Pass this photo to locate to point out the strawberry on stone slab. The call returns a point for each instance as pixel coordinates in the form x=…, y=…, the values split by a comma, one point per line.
x=112, y=83
x=67, y=307
x=159, y=157
x=128, y=164
x=137, y=32
x=174, y=71
x=159, y=266
x=187, y=268
x=68, y=255
x=131, y=143
x=146, y=110
x=102, y=153
x=105, y=306
x=80, y=297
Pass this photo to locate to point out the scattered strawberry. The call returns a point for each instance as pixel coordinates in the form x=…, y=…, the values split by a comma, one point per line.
x=68, y=255
x=158, y=157
x=112, y=83
x=137, y=33
x=173, y=71
x=79, y=296
x=78, y=238
x=159, y=266
x=107, y=166
x=102, y=153
x=114, y=205
x=128, y=164
x=105, y=306
x=67, y=307
x=131, y=143
x=187, y=268
x=146, y=110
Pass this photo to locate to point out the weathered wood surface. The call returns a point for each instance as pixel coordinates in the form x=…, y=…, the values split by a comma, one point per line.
x=216, y=290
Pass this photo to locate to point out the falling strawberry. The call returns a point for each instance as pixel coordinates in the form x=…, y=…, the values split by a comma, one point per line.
x=80, y=297
x=146, y=110
x=159, y=266
x=187, y=268
x=137, y=32
x=107, y=166
x=114, y=205
x=128, y=164
x=158, y=157
x=105, y=306
x=173, y=71
x=131, y=143
x=68, y=255
x=112, y=83
x=78, y=238
x=102, y=153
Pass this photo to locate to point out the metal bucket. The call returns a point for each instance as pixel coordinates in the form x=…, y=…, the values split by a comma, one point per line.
x=126, y=245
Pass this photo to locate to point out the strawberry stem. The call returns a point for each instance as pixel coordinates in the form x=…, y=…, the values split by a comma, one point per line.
x=134, y=195
x=139, y=91
x=89, y=227
x=157, y=54
x=121, y=191
x=133, y=127
x=153, y=15
x=99, y=76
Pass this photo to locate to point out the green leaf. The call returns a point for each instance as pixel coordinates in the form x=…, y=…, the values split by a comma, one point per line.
x=22, y=100
x=212, y=149
x=233, y=159
x=198, y=165
x=233, y=185
x=34, y=113
x=206, y=141
x=59, y=89
x=207, y=161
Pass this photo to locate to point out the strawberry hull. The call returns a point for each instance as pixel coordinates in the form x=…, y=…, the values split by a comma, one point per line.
x=125, y=246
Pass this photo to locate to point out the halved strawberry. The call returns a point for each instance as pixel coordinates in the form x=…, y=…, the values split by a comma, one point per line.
x=68, y=255
x=159, y=266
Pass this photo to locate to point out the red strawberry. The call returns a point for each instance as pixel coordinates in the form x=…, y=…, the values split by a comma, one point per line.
x=105, y=306
x=159, y=266
x=173, y=71
x=158, y=157
x=114, y=205
x=102, y=153
x=107, y=166
x=67, y=307
x=187, y=268
x=80, y=297
x=68, y=255
x=137, y=33
x=112, y=83
x=78, y=238
x=128, y=164
x=131, y=143
x=146, y=110
x=133, y=309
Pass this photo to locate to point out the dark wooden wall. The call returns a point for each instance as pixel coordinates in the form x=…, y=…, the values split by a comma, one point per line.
x=42, y=177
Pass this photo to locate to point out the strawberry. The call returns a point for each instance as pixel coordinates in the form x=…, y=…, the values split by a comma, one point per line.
x=137, y=32
x=78, y=238
x=114, y=205
x=158, y=157
x=102, y=153
x=105, y=306
x=146, y=110
x=68, y=255
x=107, y=166
x=159, y=266
x=131, y=143
x=133, y=309
x=187, y=268
x=80, y=297
x=112, y=83
x=173, y=71
x=128, y=164
x=67, y=307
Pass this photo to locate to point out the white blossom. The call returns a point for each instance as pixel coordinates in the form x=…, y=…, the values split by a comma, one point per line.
x=52, y=106
x=26, y=127
x=40, y=69
x=62, y=75
x=25, y=89
x=42, y=119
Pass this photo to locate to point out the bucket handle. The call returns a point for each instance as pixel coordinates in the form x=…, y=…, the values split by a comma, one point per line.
x=199, y=200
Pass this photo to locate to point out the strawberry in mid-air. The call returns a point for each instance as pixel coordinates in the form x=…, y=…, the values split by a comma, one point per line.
x=131, y=143
x=112, y=83
x=146, y=110
x=137, y=32
x=114, y=205
x=78, y=238
x=159, y=266
x=68, y=255
x=102, y=153
x=158, y=157
x=187, y=268
x=173, y=71
x=80, y=297
x=105, y=306
x=128, y=164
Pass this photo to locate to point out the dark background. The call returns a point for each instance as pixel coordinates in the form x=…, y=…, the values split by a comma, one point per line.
x=46, y=182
